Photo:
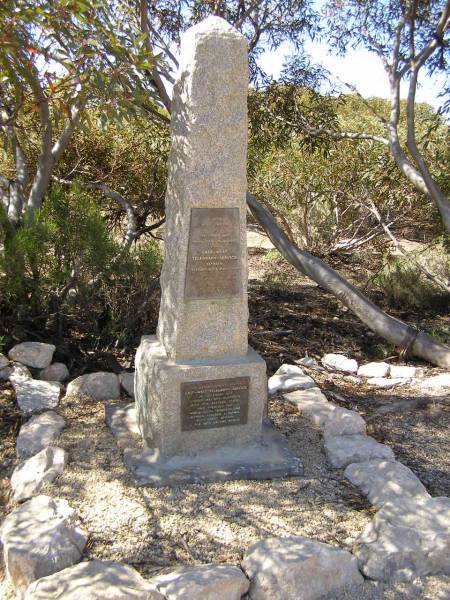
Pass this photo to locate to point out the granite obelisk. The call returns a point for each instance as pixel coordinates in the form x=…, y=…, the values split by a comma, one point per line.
x=200, y=389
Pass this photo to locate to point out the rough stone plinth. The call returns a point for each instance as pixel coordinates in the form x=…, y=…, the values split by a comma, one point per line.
x=342, y=450
x=385, y=481
x=205, y=582
x=33, y=354
x=207, y=170
x=34, y=396
x=29, y=477
x=98, y=386
x=39, y=538
x=38, y=433
x=158, y=398
x=93, y=580
x=408, y=538
x=267, y=457
x=297, y=567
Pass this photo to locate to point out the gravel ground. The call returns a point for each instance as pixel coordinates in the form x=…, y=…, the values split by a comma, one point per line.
x=156, y=529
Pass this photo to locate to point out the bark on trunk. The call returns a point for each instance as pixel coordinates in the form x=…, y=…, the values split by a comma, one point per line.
x=391, y=329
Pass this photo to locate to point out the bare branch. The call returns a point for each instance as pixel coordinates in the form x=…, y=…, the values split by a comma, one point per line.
x=145, y=26
x=393, y=330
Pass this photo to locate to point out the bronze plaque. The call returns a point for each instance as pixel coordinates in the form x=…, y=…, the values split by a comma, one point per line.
x=213, y=268
x=214, y=403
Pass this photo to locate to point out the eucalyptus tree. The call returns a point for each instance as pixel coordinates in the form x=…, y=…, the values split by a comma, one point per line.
x=411, y=38
x=56, y=58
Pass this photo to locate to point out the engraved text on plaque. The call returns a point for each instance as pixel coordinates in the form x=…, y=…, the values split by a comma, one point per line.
x=214, y=403
x=213, y=268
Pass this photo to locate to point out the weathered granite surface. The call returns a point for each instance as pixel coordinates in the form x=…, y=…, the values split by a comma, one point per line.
x=38, y=433
x=99, y=386
x=158, y=398
x=93, y=580
x=407, y=538
x=342, y=450
x=55, y=372
x=33, y=354
x=34, y=396
x=29, y=477
x=385, y=481
x=39, y=538
x=296, y=567
x=266, y=457
x=207, y=169
x=204, y=582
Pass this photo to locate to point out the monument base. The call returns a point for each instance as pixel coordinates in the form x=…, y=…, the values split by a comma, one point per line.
x=268, y=457
x=186, y=407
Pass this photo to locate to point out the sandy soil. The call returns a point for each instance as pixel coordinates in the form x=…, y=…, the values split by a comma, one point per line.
x=154, y=530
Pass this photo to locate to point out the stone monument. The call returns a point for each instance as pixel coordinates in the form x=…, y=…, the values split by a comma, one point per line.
x=200, y=389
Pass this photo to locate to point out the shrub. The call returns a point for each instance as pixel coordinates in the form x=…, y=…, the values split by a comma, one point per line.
x=406, y=286
x=67, y=272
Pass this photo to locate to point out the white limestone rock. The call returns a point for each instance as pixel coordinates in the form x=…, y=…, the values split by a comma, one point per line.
x=29, y=477
x=307, y=361
x=289, y=377
x=296, y=567
x=352, y=379
x=387, y=383
x=93, y=580
x=205, y=582
x=402, y=372
x=4, y=362
x=33, y=354
x=374, y=369
x=385, y=481
x=309, y=395
x=437, y=382
x=340, y=362
x=333, y=420
x=15, y=371
x=55, y=372
x=408, y=538
x=127, y=382
x=39, y=538
x=99, y=386
x=38, y=433
x=35, y=396
x=342, y=450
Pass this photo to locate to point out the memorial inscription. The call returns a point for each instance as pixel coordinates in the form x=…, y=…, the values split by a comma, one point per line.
x=214, y=261
x=214, y=403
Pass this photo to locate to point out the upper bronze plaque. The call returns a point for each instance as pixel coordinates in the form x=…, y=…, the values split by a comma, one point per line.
x=213, y=267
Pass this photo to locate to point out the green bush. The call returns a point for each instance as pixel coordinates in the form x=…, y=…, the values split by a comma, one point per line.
x=404, y=284
x=66, y=272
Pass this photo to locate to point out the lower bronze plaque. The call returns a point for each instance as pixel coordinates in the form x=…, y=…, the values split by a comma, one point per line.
x=214, y=403
x=213, y=268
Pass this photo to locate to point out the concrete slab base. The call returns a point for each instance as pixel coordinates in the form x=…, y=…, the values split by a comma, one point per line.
x=267, y=458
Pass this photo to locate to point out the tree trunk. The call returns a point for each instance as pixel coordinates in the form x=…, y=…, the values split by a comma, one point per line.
x=391, y=329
